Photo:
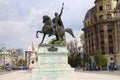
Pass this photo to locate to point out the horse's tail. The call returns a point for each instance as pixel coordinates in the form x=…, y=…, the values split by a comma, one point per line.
x=69, y=30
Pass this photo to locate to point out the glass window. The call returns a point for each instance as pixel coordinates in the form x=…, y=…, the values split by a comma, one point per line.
x=108, y=6
x=88, y=23
x=111, y=49
x=110, y=38
x=109, y=16
x=100, y=8
x=102, y=50
x=101, y=17
x=109, y=27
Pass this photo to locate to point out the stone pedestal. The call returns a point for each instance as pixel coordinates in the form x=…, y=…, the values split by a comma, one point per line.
x=52, y=64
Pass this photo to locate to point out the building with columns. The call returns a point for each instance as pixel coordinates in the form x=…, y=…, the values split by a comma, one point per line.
x=102, y=32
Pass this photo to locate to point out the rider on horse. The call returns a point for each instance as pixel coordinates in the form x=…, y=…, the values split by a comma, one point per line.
x=54, y=27
x=57, y=21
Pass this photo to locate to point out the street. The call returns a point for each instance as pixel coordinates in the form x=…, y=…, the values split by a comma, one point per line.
x=15, y=75
x=80, y=75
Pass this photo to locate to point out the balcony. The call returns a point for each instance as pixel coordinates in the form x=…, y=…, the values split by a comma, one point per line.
x=106, y=20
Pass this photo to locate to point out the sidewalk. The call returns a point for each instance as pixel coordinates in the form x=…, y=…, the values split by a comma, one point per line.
x=95, y=76
x=106, y=72
x=80, y=75
x=16, y=75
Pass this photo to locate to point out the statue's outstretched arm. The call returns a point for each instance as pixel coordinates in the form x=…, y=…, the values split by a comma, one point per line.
x=61, y=10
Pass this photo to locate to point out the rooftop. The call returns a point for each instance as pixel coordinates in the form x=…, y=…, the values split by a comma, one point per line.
x=91, y=12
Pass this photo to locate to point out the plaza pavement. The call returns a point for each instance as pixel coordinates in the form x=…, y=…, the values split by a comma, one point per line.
x=80, y=75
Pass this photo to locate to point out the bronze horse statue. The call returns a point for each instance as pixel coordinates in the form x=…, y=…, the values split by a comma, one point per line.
x=50, y=29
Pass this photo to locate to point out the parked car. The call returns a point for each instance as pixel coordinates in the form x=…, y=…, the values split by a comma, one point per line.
x=9, y=69
x=14, y=67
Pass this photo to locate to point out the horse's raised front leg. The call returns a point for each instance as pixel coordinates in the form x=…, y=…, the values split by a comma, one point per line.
x=38, y=32
x=43, y=38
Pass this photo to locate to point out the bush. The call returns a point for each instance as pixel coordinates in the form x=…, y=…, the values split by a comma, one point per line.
x=74, y=60
x=100, y=60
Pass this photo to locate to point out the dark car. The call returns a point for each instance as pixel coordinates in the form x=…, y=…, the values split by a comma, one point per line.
x=8, y=68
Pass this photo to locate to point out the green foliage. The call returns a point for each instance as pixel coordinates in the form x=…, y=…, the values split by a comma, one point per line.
x=100, y=60
x=82, y=38
x=86, y=58
x=56, y=42
x=2, y=67
x=21, y=62
x=74, y=60
x=13, y=62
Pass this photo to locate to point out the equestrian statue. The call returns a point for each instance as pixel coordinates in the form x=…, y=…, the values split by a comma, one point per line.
x=54, y=27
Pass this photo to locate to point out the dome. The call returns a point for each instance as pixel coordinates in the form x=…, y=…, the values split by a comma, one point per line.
x=98, y=0
x=91, y=12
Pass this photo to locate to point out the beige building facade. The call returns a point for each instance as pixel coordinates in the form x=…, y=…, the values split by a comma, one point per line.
x=10, y=57
x=102, y=31
x=5, y=57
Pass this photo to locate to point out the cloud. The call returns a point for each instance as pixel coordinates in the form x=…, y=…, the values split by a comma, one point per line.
x=20, y=19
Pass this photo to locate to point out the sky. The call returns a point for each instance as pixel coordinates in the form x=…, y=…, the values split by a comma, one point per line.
x=20, y=19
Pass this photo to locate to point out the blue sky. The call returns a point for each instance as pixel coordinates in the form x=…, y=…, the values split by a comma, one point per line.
x=20, y=19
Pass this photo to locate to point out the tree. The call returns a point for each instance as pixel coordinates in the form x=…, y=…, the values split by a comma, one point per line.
x=21, y=62
x=82, y=38
x=100, y=60
x=85, y=58
x=74, y=60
